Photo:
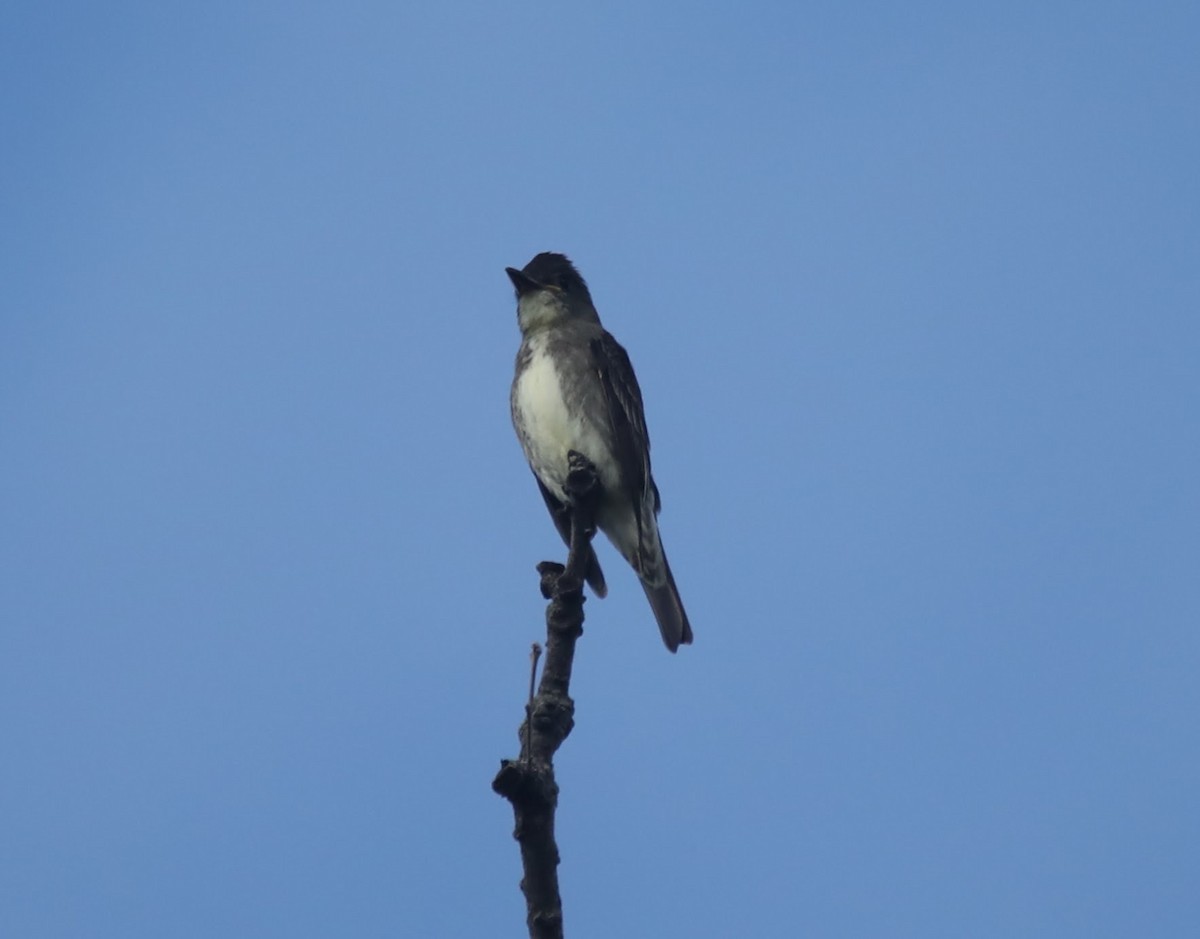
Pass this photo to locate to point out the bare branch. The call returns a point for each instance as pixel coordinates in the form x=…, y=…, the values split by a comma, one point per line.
x=528, y=782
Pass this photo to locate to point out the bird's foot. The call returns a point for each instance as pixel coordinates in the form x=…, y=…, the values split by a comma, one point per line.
x=582, y=487
x=582, y=480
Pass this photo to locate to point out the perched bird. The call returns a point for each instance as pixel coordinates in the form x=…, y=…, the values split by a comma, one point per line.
x=574, y=389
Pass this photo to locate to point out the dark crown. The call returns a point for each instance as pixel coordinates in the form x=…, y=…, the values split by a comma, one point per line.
x=556, y=270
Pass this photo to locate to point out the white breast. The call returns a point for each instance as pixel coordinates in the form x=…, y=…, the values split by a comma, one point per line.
x=550, y=429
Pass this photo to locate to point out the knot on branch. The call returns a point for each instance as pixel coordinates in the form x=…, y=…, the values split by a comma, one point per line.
x=552, y=584
x=553, y=717
x=526, y=784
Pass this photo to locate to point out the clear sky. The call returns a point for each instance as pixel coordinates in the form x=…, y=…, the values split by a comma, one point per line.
x=913, y=291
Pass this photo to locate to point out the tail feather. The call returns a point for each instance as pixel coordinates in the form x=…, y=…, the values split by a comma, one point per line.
x=593, y=575
x=668, y=610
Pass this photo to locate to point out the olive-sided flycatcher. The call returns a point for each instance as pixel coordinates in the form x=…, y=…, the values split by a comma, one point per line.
x=575, y=390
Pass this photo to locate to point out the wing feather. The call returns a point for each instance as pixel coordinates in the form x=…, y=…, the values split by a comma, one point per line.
x=626, y=414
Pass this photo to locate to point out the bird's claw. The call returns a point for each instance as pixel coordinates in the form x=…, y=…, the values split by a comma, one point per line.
x=581, y=478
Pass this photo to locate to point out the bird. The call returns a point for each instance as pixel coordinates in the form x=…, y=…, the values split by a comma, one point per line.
x=574, y=390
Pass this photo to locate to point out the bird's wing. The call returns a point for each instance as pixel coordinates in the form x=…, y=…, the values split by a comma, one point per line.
x=626, y=415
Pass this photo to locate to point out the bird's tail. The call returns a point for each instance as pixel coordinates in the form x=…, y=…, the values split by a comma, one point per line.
x=593, y=575
x=668, y=607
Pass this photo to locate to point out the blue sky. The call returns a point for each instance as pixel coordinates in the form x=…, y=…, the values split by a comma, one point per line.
x=914, y=296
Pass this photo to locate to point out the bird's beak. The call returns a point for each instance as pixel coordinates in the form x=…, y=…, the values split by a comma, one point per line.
x=523, y=284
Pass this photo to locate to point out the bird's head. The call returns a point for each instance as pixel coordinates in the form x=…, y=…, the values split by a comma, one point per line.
x=550, y=291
